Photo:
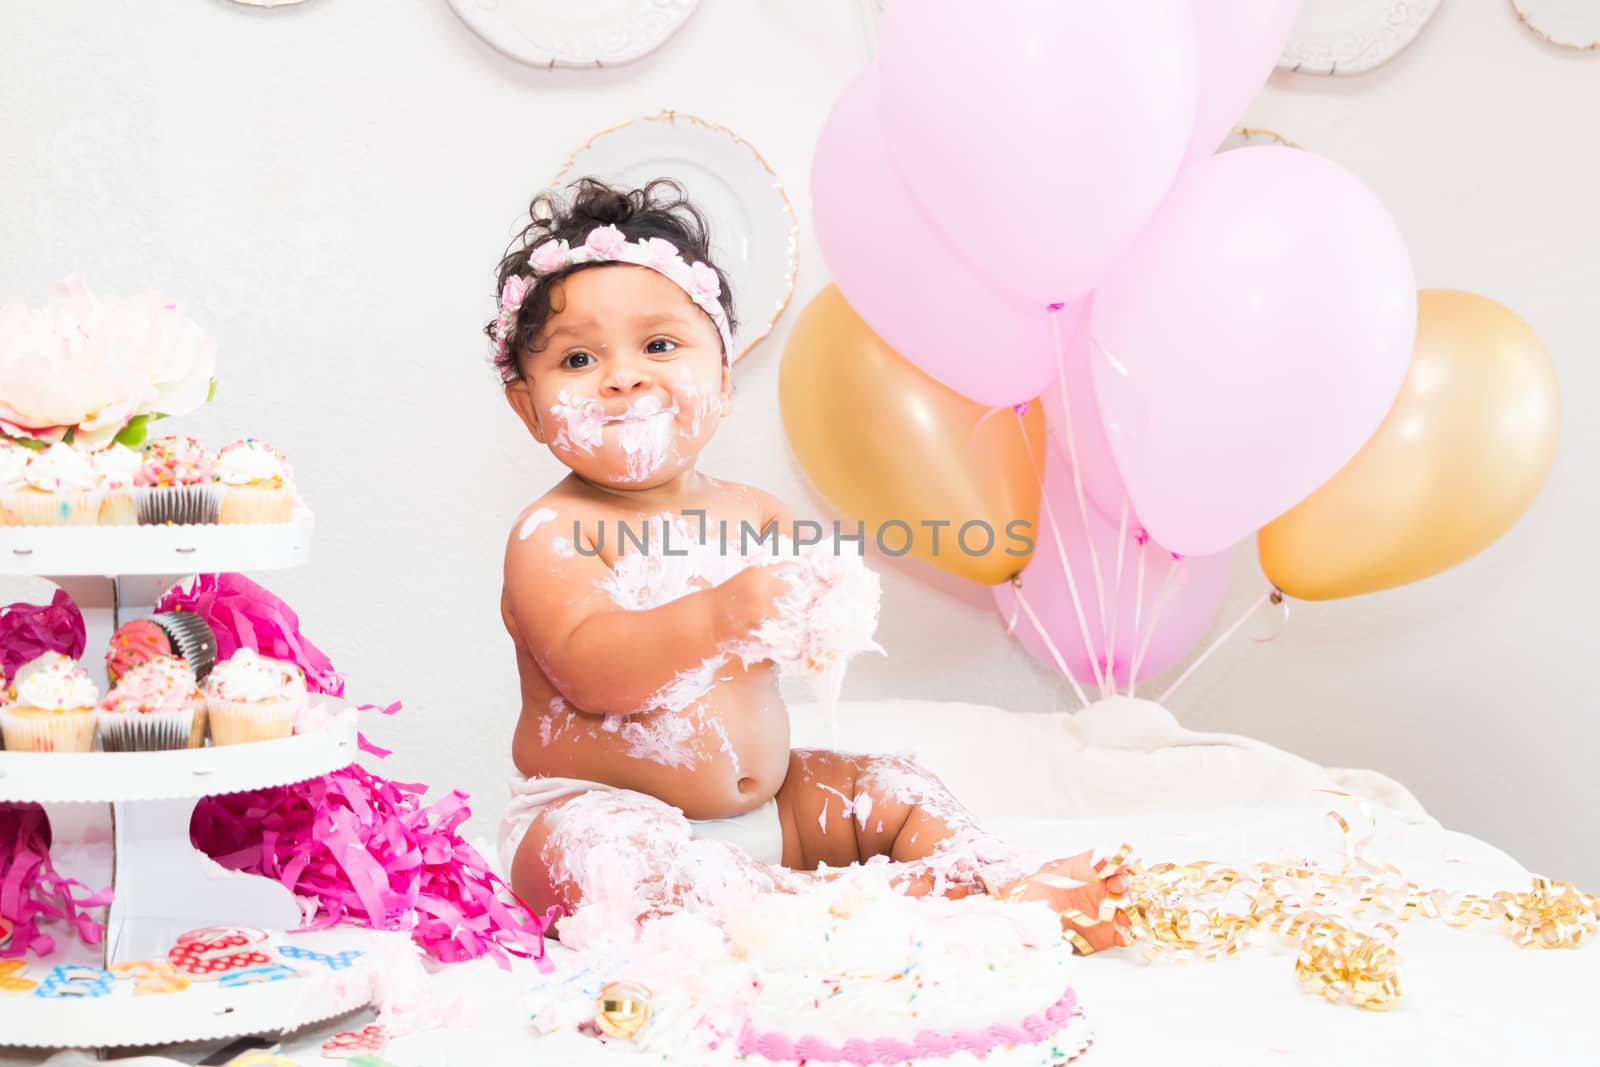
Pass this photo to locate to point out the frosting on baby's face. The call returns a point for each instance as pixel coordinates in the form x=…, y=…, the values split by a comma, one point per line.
x=627, y=382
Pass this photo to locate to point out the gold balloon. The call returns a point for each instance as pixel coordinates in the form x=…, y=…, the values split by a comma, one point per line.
x=886, y=443
x=1457, y=461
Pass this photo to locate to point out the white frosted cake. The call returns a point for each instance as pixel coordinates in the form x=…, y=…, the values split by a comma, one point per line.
x=848, y=973
x=858, y=974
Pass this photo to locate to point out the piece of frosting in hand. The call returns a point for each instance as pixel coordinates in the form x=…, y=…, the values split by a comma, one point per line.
x=826, y=619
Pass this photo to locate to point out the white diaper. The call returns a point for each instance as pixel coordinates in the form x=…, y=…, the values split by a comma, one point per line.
x=757, y=833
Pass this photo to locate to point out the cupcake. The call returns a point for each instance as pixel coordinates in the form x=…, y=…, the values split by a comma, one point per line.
x=250, y=697
x=51, y=708
x=116, y=466
x=59, y=489
x=13, y=458
x=155, y=706
x=176, y=484
x=172, y=633
x=256, y=483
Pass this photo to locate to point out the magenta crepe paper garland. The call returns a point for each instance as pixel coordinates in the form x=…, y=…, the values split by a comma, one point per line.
x=28, y=631
x=32, y=890
x=358, y=848
x=245, y=615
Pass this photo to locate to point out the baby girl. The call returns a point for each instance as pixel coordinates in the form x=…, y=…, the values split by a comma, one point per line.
x=653, y=758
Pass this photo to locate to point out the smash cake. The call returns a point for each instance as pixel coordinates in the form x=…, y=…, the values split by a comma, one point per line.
x=845, y=972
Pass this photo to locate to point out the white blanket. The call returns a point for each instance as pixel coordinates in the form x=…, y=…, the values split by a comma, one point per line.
x=1118, y=757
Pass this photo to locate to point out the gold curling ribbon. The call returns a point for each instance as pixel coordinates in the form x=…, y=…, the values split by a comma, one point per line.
x=622, y=1008
x=1200, y=911
x=1337, y=962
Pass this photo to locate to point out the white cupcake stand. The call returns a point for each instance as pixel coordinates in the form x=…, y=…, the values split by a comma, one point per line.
x=163, y=886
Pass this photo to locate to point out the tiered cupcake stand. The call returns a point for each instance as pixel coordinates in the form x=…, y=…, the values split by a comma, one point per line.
x=162, y=886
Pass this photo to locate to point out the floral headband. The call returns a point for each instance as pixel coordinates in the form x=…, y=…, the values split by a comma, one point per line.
x=607, y=244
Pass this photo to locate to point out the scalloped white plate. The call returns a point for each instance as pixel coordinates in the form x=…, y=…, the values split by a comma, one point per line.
x=103, y=777
x=754, y=236
x=574, y=33
x=1567, y=23
x=110, y=550
x=1352, y=36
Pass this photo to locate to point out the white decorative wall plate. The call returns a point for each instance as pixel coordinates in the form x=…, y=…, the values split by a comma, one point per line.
x=1352, y=36
x=754, y=236
x=574, y=33
x=1568, y=23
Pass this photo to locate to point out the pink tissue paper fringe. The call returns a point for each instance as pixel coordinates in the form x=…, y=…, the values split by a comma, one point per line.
x=32, y=890
x=28, y=631
x=354, y=847
x=245, y=615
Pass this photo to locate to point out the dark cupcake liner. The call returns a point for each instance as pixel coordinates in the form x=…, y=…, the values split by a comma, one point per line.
x=178, y=505
x=135, y=732
x=192, y=639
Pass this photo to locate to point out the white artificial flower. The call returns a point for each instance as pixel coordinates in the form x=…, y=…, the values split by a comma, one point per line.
x=91, y=366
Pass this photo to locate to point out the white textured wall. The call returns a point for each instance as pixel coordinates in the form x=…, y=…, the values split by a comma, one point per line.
x=329, y=186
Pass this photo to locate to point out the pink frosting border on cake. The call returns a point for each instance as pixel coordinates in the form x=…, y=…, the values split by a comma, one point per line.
x=862, y=1053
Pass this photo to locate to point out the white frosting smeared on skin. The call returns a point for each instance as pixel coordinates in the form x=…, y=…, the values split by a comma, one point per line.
x=631, y=856
x=968, y=850
x=858, y=806
x=578, y=423
x=646, y=437
x=553, y=724
x=826, y=619
x=640, y=581
x=533, y=522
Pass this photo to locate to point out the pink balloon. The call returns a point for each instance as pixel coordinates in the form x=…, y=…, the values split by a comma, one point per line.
x=1038, y=135
x=1102, y=484
x=1187, y=593
x=1237, y=43
x=900, y=276
x=1250, y=342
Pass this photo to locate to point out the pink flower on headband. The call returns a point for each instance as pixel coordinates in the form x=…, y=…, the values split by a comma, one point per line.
x=605, y=241
x=663, y=253
x=550, y=256
x=513, y=293
x=705, y=281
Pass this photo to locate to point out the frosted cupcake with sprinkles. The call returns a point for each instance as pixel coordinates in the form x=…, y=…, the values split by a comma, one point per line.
x=256, y=483
x=154, y=707
x=251, y=697
x=50, y=708
x=60, y=488
x=116, y=466
x=176, y=484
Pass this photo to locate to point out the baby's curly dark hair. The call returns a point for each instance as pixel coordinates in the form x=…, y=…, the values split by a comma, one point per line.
x=660, y=209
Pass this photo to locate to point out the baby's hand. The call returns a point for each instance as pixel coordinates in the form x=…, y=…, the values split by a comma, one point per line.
x=749, y=598
x=1075, y=887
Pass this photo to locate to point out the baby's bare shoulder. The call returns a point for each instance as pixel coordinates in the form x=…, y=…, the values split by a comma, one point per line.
x=550, y=525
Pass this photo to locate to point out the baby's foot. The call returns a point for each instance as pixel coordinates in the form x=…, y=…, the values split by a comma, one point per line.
x=1076, y=888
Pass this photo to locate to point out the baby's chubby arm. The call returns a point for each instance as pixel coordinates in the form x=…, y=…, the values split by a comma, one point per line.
x=609, y=660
